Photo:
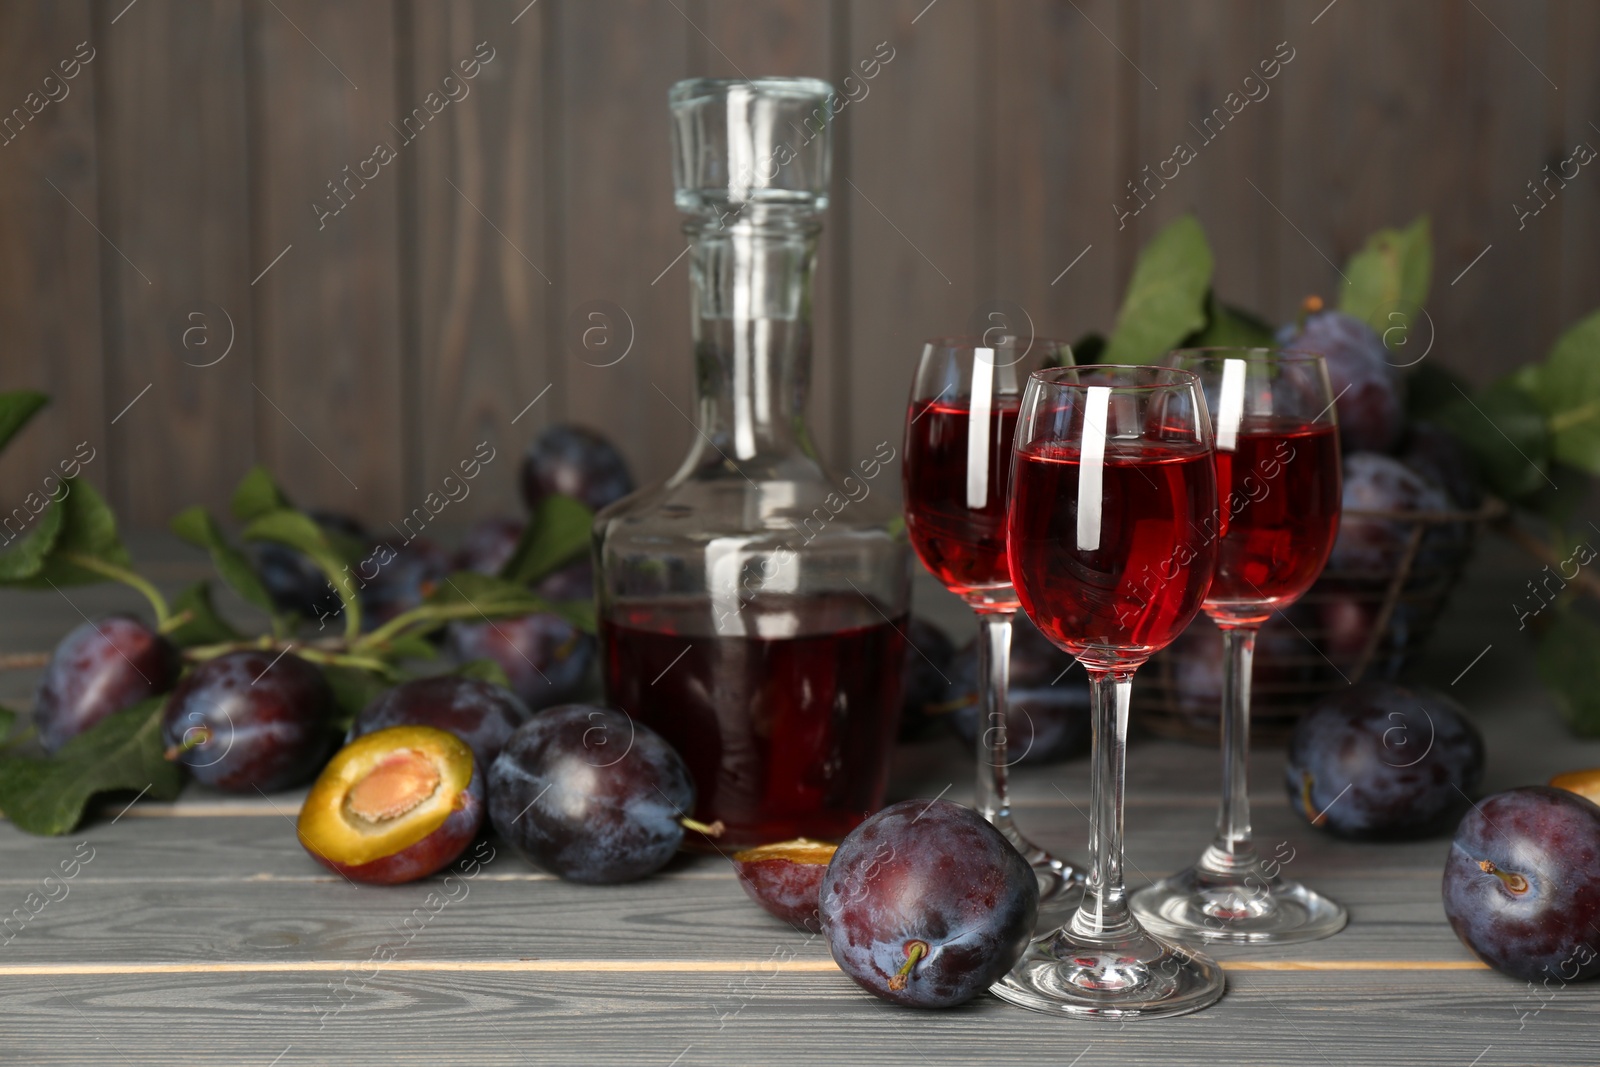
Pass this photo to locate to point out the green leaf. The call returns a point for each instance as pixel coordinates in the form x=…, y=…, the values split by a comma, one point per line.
x=298, y=531
x=196, y=526
x=1568, y=388
x=88, y=529
x=353, y=689
x=1166, y=299
x=1230, y=327
x=558, y=532
x=410, y=646
x=1569, y=666
x=497, y=598
x=26, y=558
x=484, y=670
x=124, y=751
x=16, y=408
x=1504, y=427
x=256, y=495
x=205, y=626
x=1388, y=279
x=8, y=722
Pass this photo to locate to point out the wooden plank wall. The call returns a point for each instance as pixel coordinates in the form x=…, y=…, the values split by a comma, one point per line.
x=207, y=178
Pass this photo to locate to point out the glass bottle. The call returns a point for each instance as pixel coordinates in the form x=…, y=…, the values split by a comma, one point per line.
x=752, y=606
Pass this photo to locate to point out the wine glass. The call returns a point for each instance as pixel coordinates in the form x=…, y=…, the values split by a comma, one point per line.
x=1278, y=483
x=1112, y=485
x=959, y=427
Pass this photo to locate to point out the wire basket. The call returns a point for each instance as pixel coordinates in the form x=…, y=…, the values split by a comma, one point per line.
x=1367, y=619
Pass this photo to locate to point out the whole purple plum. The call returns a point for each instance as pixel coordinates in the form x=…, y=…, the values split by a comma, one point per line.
x=1381, y=760
x=546, y=658
x=488, y=544
x=98, y=669
x=1366, y=384
x=402, y=582
x=590, y=795
x=926, y=905
x=575, y=581
x=250, y=720
x=577, y=462
x=481, y=714
x=1047, y=710
x=297, y=584
x=1522, y=884
x=1371, y=548
x=1443, y=460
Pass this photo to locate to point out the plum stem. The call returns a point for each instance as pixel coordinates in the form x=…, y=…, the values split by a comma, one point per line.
x=713, y=830
x=192, y=738
x=915, y=950
x=1313, y=816
x=1513, y=881
x=1308, y=307
x=126, y=577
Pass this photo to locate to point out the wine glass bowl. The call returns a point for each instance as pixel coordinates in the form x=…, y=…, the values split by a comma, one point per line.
x=960, y=422
x=1278, y=477
x=1112, y=489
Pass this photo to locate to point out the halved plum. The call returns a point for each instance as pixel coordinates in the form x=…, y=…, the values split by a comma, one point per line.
x=1584, y=783
x=394, y=805
x=786, y=879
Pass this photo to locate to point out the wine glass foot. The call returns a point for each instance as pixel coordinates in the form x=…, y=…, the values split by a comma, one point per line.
x=1135, y=975
x=1196, y=905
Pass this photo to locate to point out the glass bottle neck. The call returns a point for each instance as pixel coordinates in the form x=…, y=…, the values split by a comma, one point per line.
x=750, y=284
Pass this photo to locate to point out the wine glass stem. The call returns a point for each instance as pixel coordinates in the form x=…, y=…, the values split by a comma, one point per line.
x=994, y=674
x=1232, y=849
x=1104, y=911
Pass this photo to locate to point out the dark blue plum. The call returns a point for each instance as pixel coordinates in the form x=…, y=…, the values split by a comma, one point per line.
x=1047, y=716
x=926, y=905
x=481, y=714
x=297, y=584
x=1522, y=885
x=252, y=720
x=98, y=669
x=575, y=581
x=590, y=795
x=577, y=462
x=926, y=670
x=546, y=658
x=1284, y=660
x=1365, y=382
x=1371, y=549
x=402, y=582
x=1381, y=760
x=1443, y=460
x=488, y=544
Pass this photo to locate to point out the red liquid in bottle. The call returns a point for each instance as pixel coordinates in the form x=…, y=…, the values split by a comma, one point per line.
x=1278, y=496
x=964, y=546
x=1145, y=581
x=807, y=713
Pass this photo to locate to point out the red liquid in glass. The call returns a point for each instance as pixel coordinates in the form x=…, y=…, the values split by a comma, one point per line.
x=1146, y=580
x=786, y=736
x=1278, y=496
x=964, y=547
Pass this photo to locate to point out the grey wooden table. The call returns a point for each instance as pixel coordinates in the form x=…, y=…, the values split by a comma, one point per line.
x=199, y=932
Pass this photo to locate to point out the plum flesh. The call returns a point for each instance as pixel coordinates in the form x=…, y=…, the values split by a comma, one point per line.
x=393, y=806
